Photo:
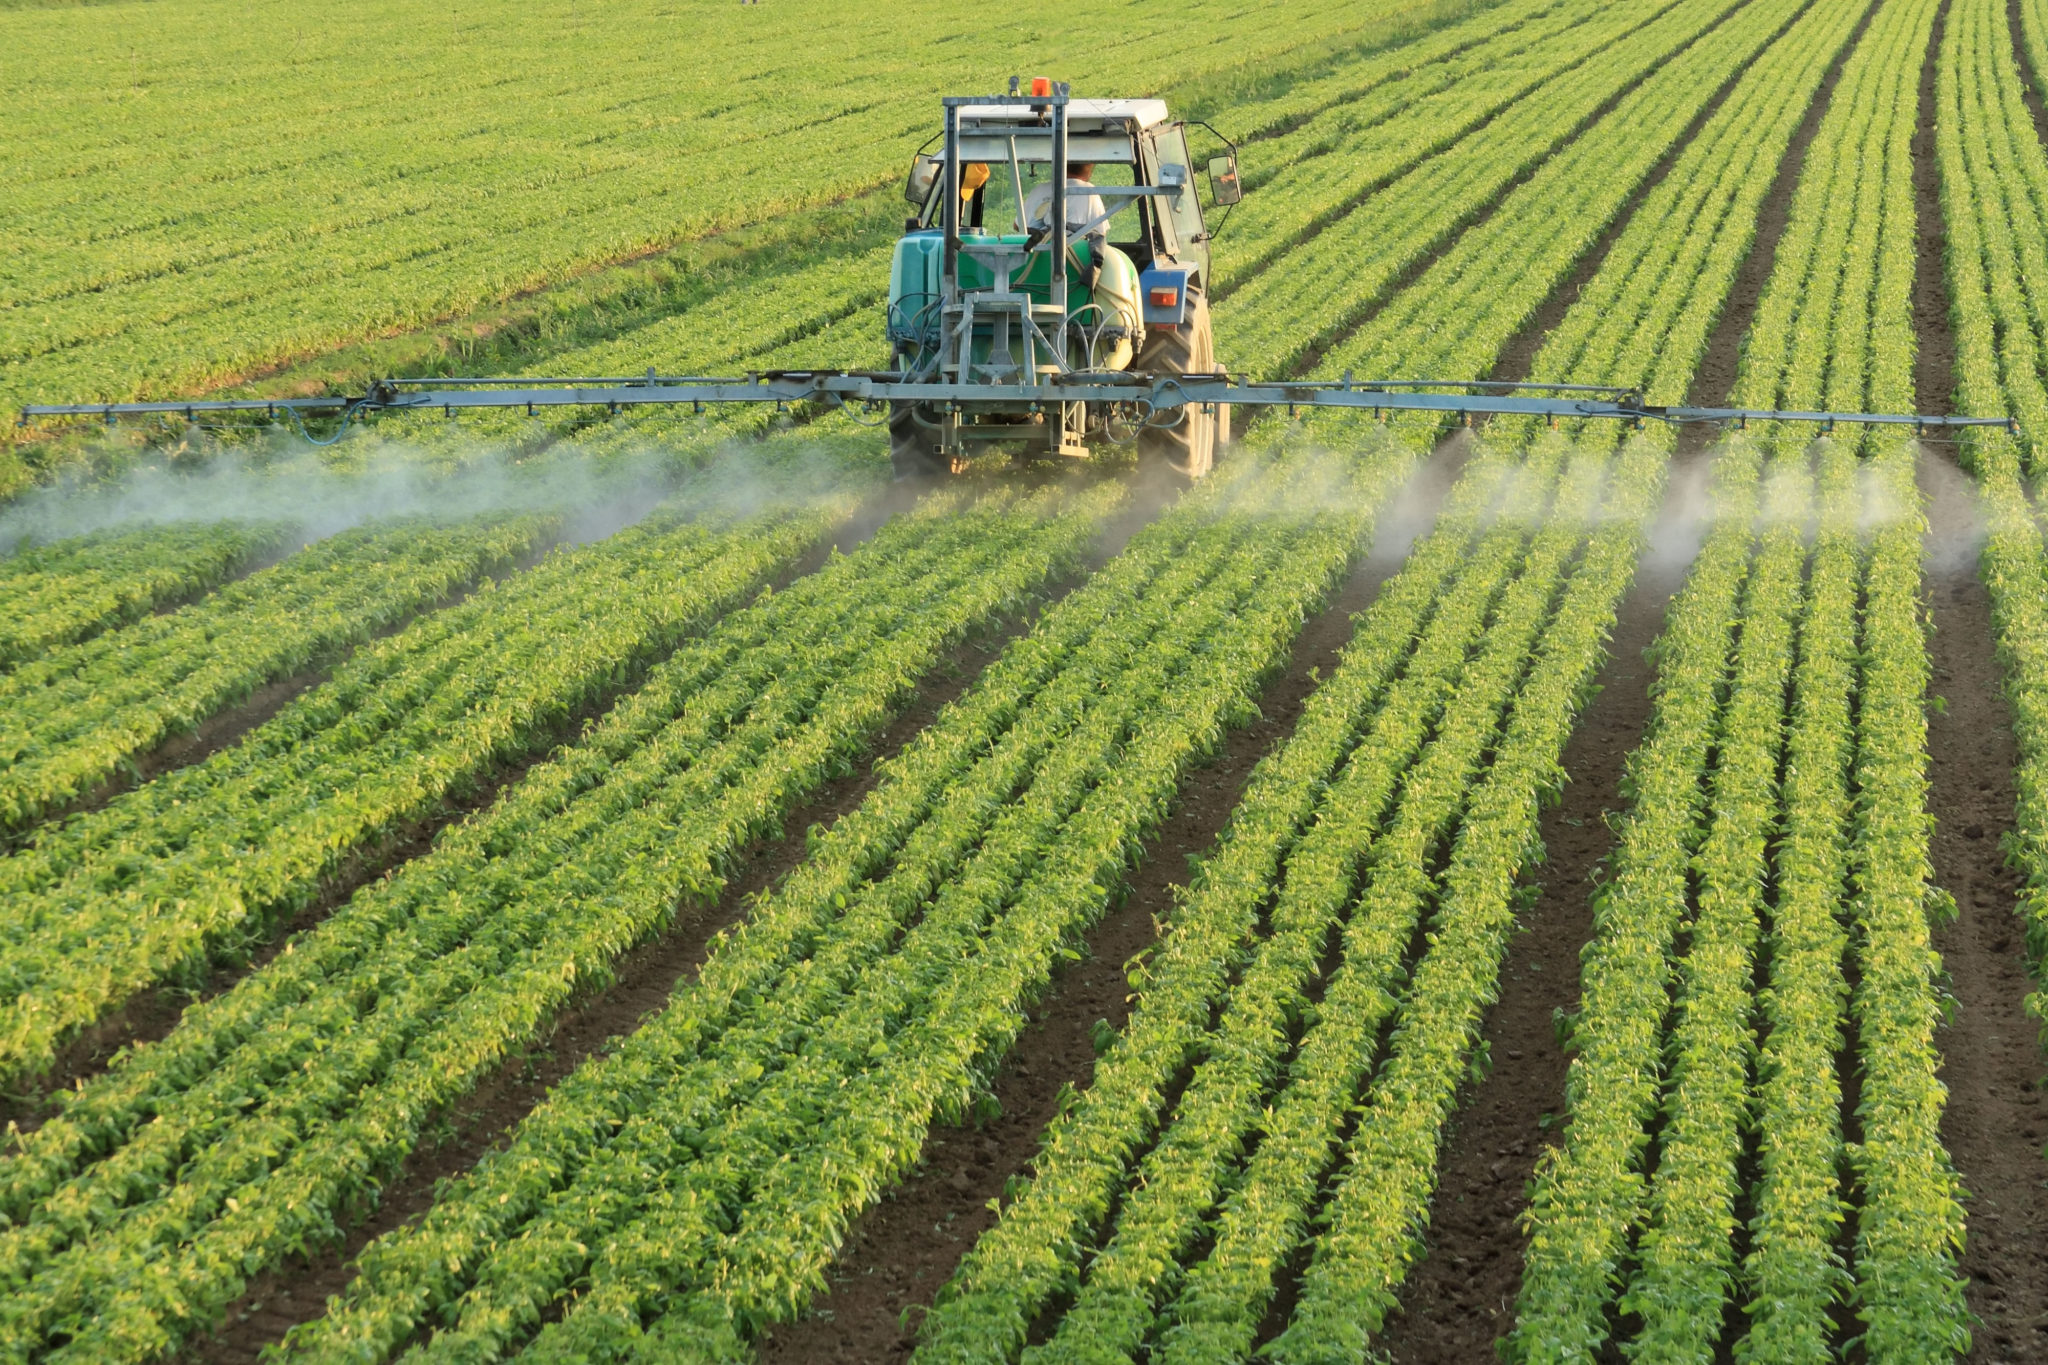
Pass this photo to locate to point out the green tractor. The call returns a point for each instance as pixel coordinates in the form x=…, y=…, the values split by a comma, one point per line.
x=984, y=296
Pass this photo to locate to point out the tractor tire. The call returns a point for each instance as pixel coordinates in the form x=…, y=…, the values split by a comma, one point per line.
x=913, y=449
x=1185, y=451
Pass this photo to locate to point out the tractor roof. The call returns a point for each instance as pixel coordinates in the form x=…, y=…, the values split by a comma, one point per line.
x=1083, y=116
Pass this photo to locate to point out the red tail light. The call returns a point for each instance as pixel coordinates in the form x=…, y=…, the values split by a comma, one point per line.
x=1166, y=298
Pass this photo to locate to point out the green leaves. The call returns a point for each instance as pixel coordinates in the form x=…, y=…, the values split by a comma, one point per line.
x=62, y=593
x=202, y=860
x=965, y=873
x=276, y=1108
x=70, y=720
x=1835, y=699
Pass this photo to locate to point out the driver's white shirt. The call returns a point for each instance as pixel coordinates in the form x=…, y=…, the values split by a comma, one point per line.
x=1083, y=206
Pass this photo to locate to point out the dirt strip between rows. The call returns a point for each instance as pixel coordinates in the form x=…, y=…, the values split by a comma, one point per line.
x=1460, y=1295
x=1993, y=1125
x=900, y=1253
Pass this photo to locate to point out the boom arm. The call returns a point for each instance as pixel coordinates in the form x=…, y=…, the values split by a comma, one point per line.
x=1149, y=399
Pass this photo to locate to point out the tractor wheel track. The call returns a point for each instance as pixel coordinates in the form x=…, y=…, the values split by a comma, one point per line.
x=1995, y=1120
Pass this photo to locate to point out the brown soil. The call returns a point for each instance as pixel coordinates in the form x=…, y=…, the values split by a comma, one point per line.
x=904, y=1248
x=1460, y=1295
x=642, y=982
x=1934, y=356
x=1994, y=1124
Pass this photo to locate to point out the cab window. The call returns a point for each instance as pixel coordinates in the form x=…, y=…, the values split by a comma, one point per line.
x=1183, y=210
x=997, y=209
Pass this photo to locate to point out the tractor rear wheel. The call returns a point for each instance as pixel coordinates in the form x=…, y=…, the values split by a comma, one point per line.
x=1187, y=449
x=914, y=447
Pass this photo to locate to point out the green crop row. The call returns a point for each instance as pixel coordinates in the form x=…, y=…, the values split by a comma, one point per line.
x=924, y=817
x=1314, y=175
x=1039, y=1251
x=1382, y=1178
x=1267, y=1206
x=1419, y=628
x=1486, y=286
x=272, y=1111
x=62, y=593
x=1833, y=329
x=1367, y=251
x=1587, y=1194
x=205, y=858
x=876, y=988
x=1792, y=1274
x=1686, y=1262
x=1643, y=319
x=1994, y=185
x=1909, y=1217
x=71, y=720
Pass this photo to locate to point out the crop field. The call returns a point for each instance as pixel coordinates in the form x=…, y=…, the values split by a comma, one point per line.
x=592, y=885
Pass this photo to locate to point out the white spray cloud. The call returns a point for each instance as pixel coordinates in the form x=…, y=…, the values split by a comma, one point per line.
x=595, y=494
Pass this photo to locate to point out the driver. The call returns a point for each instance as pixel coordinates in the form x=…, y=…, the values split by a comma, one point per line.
x=1083, y=208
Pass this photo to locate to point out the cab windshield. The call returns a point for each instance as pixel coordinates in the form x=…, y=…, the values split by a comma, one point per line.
x=995, y=206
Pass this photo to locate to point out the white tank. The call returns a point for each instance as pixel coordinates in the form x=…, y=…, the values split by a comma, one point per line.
x=1117, y=295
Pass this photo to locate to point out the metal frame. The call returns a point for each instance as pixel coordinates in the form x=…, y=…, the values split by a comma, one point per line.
x=1148, y=398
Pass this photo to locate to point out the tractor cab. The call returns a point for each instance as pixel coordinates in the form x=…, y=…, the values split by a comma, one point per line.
x=984, y=291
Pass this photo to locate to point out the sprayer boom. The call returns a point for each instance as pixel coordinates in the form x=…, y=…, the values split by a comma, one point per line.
x=1138, y=397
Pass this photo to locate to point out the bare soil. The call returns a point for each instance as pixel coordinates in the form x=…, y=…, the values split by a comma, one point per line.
x=1993, y=1125
x=900, y=1253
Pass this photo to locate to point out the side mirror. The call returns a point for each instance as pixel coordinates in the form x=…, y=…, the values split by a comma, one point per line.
x=924, y=172
x=1224, y=189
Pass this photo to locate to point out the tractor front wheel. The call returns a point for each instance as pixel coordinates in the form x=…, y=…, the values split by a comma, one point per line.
x=914, y=447
x=1186, y=450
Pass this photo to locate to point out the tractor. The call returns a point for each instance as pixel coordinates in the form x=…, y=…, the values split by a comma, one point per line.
x=984, y=292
